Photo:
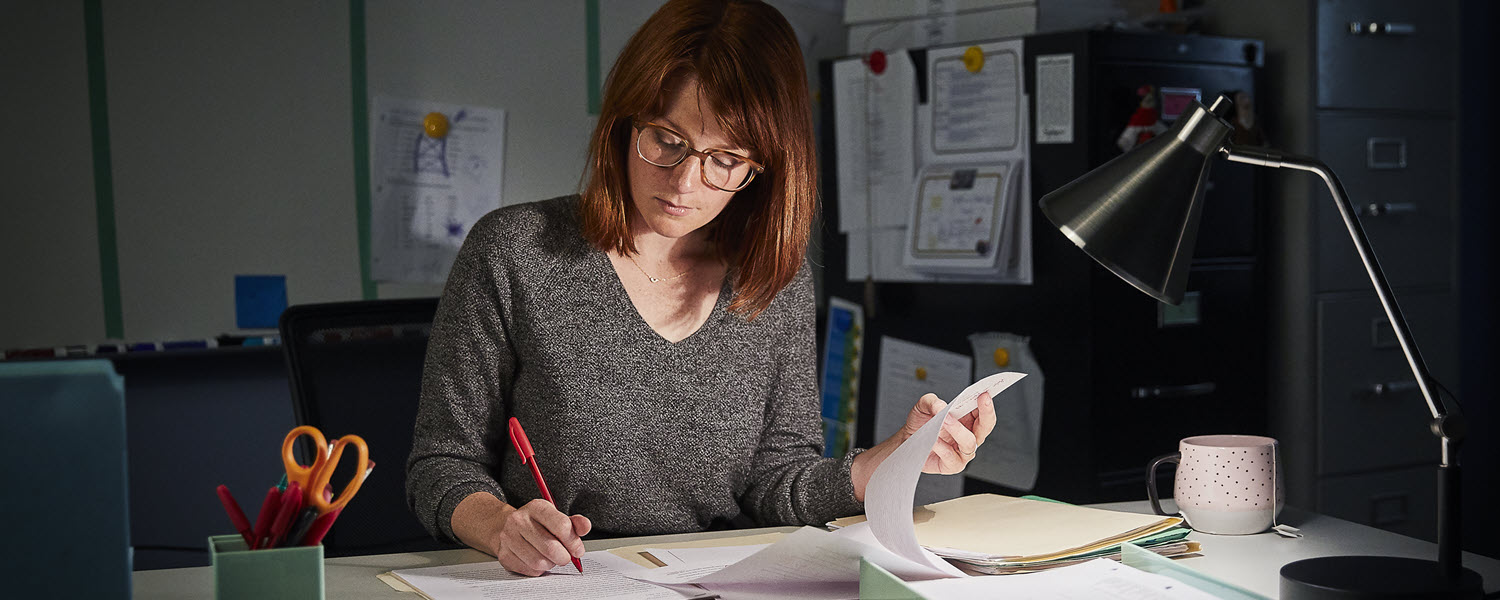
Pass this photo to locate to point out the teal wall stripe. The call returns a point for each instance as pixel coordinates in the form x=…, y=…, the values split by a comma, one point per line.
x=104, y=183
x=360, y=106
x=591, y=44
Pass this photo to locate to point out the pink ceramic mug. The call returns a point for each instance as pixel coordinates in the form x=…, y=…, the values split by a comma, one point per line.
x=1225, y=484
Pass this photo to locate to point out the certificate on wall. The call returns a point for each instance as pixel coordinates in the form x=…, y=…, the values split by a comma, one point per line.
x=962, y=218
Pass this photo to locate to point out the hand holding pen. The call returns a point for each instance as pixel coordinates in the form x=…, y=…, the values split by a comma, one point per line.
x=536, y=536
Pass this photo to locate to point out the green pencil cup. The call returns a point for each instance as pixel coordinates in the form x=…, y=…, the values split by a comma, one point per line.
x=242, y=573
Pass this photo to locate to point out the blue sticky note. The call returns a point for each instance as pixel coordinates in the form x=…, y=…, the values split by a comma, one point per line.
x=259, y=300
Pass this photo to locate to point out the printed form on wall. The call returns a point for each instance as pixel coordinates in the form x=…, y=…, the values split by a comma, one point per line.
x=436, y=169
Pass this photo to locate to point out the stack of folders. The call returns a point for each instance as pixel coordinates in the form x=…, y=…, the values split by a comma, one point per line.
x=1001, y=535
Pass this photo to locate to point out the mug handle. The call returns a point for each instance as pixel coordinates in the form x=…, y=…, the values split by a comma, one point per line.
x=1175, y=457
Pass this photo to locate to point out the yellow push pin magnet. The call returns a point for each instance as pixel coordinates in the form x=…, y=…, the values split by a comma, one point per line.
x=435, y=125
x=921, y=373
x=974, y=59
x=1002, y=357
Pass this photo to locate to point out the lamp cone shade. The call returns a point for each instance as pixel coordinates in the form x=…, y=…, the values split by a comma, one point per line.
x=1138, y=214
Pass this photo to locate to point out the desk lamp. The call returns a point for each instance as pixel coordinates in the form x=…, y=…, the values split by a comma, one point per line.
x=1138, y=216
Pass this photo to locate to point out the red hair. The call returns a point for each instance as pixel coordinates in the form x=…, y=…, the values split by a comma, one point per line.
x=749, y=66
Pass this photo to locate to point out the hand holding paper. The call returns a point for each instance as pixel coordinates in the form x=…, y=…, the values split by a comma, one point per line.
x=966, y=425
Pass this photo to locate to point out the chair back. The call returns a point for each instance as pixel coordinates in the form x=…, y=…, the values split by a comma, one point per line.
x=356, y=367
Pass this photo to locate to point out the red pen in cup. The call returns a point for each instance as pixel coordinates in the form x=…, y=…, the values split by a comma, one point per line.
x=236, y=516
x=528, y=457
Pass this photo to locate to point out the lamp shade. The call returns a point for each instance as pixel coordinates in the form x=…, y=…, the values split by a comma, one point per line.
x=1138, y=214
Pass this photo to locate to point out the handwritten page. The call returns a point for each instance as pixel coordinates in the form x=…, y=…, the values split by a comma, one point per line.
x=603, y=577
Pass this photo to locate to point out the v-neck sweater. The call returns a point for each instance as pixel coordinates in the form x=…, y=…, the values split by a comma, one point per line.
x=639, y=434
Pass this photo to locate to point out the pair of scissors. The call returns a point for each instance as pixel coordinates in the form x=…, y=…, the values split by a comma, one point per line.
x=314, y=479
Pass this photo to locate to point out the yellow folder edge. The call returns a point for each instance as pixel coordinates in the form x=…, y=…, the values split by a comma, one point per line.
x=988, y=513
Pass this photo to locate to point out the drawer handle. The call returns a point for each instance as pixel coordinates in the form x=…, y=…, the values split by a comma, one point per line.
x=1394, y=387
x=1389, y=208
x=1174, y=391
x=1358, y=28
x=1385, y=153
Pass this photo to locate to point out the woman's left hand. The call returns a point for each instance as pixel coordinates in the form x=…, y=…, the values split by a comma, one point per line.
x=956, y=445
x=959, y=439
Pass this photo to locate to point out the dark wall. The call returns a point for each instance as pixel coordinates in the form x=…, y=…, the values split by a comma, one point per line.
x=1478, y=272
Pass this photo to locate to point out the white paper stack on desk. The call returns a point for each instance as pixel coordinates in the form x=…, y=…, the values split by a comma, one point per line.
x=994, y=534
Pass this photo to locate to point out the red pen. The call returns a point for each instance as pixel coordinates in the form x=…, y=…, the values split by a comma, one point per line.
x=236, y=516
x=291, y=502
x=267, y=514
x=528, y=457
x=320, y=528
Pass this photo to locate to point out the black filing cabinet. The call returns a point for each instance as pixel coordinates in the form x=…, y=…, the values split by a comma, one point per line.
x=1160, y=372
x=1371, y=88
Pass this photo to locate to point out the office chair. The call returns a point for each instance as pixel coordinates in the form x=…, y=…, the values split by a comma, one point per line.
x=356, y=367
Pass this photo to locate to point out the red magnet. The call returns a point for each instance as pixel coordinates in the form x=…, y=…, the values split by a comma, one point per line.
x=877, y=62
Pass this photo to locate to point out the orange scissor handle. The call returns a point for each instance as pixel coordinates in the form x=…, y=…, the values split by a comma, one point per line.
x=295, y=472
x=320, y=479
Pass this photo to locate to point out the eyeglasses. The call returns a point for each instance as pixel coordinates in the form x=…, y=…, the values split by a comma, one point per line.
x=722, y=169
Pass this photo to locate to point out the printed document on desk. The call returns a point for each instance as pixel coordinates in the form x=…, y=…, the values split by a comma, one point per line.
x=603, y=576
x=1099, y=579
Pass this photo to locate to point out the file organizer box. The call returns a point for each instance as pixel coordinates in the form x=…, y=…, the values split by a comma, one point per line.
x=286, y=573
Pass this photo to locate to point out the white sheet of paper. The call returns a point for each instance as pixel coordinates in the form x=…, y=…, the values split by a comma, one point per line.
x=882, y=246
x=889, y=495
x=974, y=112
x=721, y=556
x=899, y=388
x=1012, y=455
x=874, y=124
x=1054, y=99
x=1100, y=579
x=426, y=193
x=604, y=576
x=808, y=563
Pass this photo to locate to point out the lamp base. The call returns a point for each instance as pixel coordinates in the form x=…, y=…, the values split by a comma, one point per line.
x=1386, y=577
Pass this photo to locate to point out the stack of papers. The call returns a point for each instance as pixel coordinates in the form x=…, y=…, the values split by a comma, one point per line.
x=994, y=534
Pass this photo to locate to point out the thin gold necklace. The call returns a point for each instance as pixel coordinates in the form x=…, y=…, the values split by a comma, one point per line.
x=656, y=279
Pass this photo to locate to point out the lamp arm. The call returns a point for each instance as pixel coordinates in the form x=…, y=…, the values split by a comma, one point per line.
x=1448, y=427
x=1271, y=158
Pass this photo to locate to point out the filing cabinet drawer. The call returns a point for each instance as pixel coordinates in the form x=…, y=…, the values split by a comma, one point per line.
x=1399, y=174
x=1165, y=373
x=1408, y=63
x=1403, y=501
x=1371, y=413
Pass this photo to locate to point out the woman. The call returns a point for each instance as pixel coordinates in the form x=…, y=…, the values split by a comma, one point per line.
x=655, y=333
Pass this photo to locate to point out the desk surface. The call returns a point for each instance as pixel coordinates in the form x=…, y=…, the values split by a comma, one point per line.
x=1249, y=561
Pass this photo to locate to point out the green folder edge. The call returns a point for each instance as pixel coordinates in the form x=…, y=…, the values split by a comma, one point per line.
x=1145, y=560
x=876, y=583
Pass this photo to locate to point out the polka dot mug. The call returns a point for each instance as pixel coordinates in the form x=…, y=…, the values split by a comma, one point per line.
x=1225, y=484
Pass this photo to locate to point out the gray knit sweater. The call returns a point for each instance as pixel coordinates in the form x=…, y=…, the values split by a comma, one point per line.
x=641, y=435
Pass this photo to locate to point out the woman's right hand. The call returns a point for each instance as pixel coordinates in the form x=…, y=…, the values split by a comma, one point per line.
x=528, y=541
x=537, y=537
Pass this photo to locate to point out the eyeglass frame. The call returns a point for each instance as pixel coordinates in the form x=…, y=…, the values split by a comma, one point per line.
x=703, y=155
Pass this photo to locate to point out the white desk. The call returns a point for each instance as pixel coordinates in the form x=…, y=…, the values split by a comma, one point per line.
x=1251, y=561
